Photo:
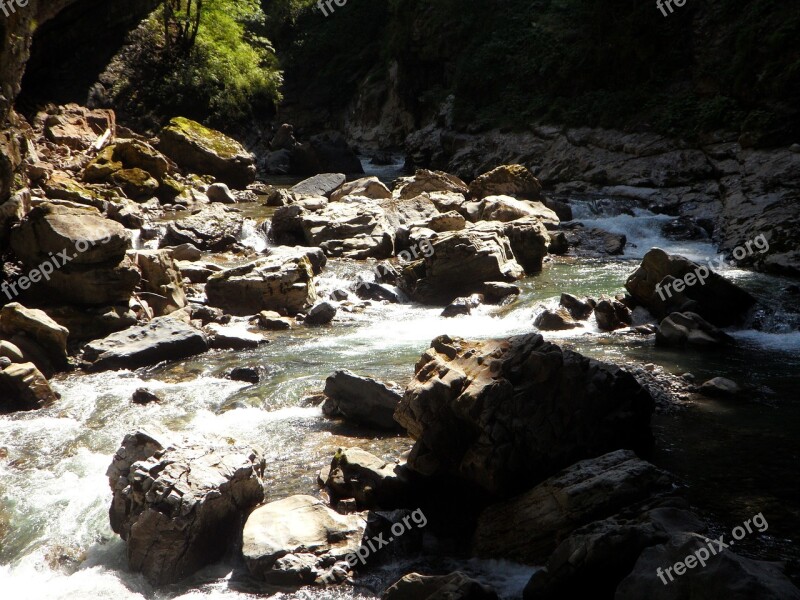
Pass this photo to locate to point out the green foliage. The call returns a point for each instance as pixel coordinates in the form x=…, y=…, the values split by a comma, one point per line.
x=229, y=73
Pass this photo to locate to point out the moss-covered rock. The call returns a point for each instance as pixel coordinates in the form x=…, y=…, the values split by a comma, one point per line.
x=136, y=183
x=138, y=154
x=206, y=151
x=102, y=167
x=61, y=186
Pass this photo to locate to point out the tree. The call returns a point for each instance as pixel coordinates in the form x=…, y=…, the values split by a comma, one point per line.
x=181, y=23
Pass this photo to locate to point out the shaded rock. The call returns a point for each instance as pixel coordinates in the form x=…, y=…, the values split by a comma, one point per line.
x=163, y=338
x=529, y=241
x=213, y=227
x=461, y=262
x=508, y=180
x=367, y=290
x=144, y=396
x=369, y=480
x=197, y=272
x=366, y=187
x=681, y=329
x=361, y=400
x=161, y=281
x=528, y=528
x=730, y=576
x=219, y=192
x=226, y=337
x=719, y=387
x=719, y=301
x=11, y=352
x=504, y=414
x=325, y=153
x=90, y=323
x=557, y=320
x=49, y=335
x=559, y=244
x=424, y=180
x=136, y=183
x=187, y=252
x=210, y=314
x=321, y=313
x=273, y=283
x=298, y=540
x=455, y=586
x=246, y=374
x=590, y=241
x=78, y=127
x=462, y=306
x=319, y=185
x=23, y=387
x=208, y=152
x=179, y=507
x=61, y=186
x=407, y=546
x=495, y=292
x=611, y=314
x=272, y=321
x=577, y=309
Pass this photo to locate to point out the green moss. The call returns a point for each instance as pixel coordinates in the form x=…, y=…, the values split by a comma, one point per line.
x=102, y=167
x=213, y=140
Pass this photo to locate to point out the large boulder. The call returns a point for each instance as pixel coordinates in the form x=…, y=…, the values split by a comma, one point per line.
x=529, y=242
x=299, y=540
x=35, y=324
x=460, y=263
x=214, y=227
x=161, y=280
x=162, y=339
x=429, y=181
x=455, y=586
x=666, y=283
x=590, y=241
x=23, y=387
x=507, y=180
x=724, y=574
x=206, y=151
x=369, y=480
x=180, y=507
x=78, y=127
x=366, y=187
x=505, y=414
x=506, y=208
x=361, y=400
x=283, y=283
x=682, y=329
x=528, y=527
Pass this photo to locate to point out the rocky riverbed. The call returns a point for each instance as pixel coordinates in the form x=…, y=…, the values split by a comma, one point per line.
x=226, y=388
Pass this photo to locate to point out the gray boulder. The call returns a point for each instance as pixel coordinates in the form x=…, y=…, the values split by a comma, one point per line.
x=362, y=400
x=319, y=185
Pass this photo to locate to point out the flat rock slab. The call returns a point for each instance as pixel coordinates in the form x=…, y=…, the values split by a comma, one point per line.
x=319, y=185
x=164, y=338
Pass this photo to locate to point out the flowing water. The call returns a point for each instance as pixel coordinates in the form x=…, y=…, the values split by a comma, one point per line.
x=738, y=457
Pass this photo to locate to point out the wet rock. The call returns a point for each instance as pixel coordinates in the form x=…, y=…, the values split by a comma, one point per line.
x=720, y=387
x=319, y=185
x=161, y=281
x=367, y=290
x=321, y=313
x=324, y=153
x=361, y=400
x=246, y=374
x=559, y=244
x=462, y=306
x=298, y=540
x=730, y=575
x=23, y=387
x=504, y=414
x=213, y=227
x=591, y=242
x=208, y=152
x=366, y=187
x=527, y=528
x=226, y=337
x=350, y=230
x=272, y=321
x=461, y=262
x=315, y=256
x=508, y=180
x=496, y=292
x=578, y=309
x=593, y=560
x=162, y=339
x=555, y=320
x=455, y=586
x=280, y=283
x=659, y=284
x=404, y=547
x=144, y=396
x=179, y=507
x=529, y=241
x=90, y=322
x=370, y=481
x=35, y=324
x=682, y=329
x=429, y=181
x=684, y=228
x=219, y=192
x=611, y=314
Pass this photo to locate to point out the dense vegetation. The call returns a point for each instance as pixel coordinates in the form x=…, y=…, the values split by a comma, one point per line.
x=730, y=64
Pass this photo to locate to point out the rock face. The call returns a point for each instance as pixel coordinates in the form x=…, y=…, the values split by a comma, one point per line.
x=455, y=586
x=279, y=283
x=667, y=283
x=89, y=250
x=528, y=528
x=728, y=574
x=180, y=507
x=203, y=150
x=509, y=180
x=163, y=338
x=35, y=324
x=461, y=262
x=369, y=480
x=504, y=414
x=23, y=387
x=298, y=540
x=682, y=329
x=361, y=400
x=213, y=227
x=529, y=242
x=162, y=279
